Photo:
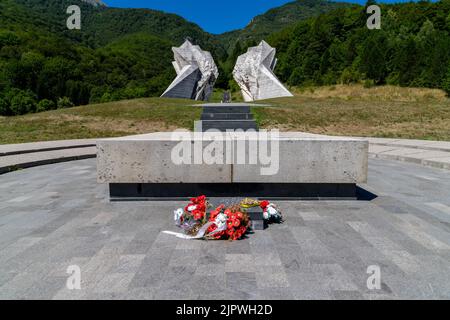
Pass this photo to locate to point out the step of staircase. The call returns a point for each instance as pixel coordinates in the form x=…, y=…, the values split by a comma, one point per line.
x=227, y=116
x=224, y=125
x=226, y=109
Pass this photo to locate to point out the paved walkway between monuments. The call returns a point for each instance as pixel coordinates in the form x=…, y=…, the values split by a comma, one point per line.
x=55, y=216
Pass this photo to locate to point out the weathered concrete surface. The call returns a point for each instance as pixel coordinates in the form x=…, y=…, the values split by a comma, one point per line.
x=148, y=159
x=307, y=158
x=254, y=74
x=196, y=73
x=303, y=158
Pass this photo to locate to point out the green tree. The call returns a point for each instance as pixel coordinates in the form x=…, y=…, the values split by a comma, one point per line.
x=373, y=56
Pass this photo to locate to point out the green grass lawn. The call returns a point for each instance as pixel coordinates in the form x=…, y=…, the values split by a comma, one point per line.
x=101, y=120
x=338, y=110
x=389, y=112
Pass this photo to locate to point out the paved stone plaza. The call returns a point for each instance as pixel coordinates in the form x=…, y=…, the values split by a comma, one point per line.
x=55, y=216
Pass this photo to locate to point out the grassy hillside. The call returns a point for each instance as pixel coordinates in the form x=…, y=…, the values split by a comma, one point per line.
x=385, y=111
x=352, y=110
x=100, y=120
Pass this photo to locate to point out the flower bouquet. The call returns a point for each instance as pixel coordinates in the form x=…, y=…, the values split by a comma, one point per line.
x=224, y=223
x=271, y=213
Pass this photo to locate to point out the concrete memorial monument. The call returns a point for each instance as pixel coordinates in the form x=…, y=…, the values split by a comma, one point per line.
x=196, y=73
x=254, y=74
x=179, y=165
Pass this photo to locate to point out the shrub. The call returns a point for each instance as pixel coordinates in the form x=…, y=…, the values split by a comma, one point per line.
x=64, y=102
x=446, y=85
x=106, y=97
x=349, y=76
x=393, y=79
x=45, y=105
x=23, y=102
x=369, y=83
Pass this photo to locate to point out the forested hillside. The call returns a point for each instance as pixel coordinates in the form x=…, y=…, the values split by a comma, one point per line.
x=117, y=54
x=411, y=49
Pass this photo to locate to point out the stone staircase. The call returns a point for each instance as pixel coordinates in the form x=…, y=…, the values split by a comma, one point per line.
x=230, y=116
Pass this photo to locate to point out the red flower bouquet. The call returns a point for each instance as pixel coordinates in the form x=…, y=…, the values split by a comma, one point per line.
x=228, y=223
x=223, y=223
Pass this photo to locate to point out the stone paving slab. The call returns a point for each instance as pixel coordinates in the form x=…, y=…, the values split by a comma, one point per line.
x=411, y=143
x=429, y=158
x=427, y=153
x=56, y=215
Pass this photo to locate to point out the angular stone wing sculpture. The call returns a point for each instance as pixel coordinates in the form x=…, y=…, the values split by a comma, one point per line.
x=196, y=73
x=254, y=74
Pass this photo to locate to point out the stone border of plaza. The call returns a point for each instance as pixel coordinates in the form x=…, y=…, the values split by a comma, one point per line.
x=434, y=154
x=25, y=155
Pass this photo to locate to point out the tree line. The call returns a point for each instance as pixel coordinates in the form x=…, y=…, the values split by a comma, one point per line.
x=412, y=48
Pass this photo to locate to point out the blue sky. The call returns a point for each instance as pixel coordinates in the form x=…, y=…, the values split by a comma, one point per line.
x=215, y=16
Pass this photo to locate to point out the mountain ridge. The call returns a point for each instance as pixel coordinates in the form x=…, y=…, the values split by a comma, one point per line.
x=95, y=3
x=277, y=18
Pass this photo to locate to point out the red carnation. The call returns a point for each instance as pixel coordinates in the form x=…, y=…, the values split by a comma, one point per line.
x=264, y=204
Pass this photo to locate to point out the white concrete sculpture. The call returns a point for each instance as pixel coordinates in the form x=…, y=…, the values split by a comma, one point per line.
x=196, y=73
x=254, y=74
